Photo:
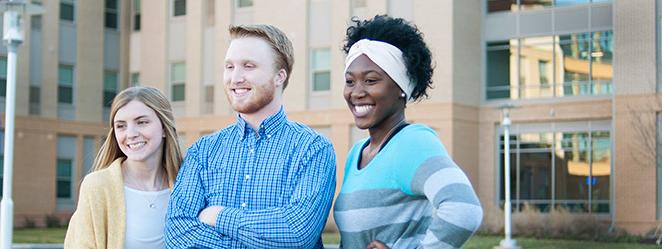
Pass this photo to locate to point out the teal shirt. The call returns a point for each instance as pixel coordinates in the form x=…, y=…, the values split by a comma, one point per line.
x=410, y=195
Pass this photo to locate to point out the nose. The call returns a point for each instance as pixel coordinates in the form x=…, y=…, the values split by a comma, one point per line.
x=357, y=91
x=132, y=131
x=237, y=76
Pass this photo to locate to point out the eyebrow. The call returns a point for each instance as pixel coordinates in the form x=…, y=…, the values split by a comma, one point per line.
x=363, y=72
x=122, y=121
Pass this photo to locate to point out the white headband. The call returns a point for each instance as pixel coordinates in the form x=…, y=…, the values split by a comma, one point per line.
x=387, y=57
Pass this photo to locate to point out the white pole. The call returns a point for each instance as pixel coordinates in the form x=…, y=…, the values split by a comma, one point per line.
x=7, y=213
x=508, y=242
x=13, y=39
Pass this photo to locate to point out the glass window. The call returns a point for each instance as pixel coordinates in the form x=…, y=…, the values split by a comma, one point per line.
x=535, y=54
x=3, y=76
x=321, y=69
x=569, y=2
x=244, y=3
x=179, y=7
x=35, y=22
x=109, y=88
x=111, y=14
x=67, y=10
x=580, y=163
x=501, y=66
x=135, y=79
x=575, y=51
x=65, y=84
x=542, y=67
x=88, y=154
x=177, y=81
x=136, y=15
x=209, y=94
x=35, y=100
x=534, y=4
x=501, y=5
x=64, y=171
x=602, y=54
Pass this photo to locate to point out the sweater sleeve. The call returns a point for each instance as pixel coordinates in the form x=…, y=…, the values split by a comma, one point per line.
x=81, y=232
x=457, y=213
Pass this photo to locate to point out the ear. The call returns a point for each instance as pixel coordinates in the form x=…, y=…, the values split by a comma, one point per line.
x=279, y=78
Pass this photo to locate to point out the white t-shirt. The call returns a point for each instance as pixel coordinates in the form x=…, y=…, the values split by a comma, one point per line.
x=145, y=218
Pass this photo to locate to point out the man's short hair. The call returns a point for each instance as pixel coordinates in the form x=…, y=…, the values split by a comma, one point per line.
x=276, y=38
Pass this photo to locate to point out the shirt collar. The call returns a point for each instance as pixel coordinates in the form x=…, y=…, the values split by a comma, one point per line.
x=268, y=127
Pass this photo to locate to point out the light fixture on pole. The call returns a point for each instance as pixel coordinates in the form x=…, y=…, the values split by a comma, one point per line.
x=13, y=36
x=507, y=242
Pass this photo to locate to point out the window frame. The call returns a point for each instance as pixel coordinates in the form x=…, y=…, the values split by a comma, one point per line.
x=60, y=86
x=71, y=3
x=176, y=82
x=111, y=11
x=316, y=69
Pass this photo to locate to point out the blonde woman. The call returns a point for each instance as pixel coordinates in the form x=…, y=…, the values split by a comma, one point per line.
x=122, y=204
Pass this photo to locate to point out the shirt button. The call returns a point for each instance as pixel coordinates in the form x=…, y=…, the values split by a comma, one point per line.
x=243, y=205
x=269, y=136
x=247, y=177
x=250, y=151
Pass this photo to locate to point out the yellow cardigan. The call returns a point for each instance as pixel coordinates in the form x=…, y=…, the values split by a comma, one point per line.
x=100, y=218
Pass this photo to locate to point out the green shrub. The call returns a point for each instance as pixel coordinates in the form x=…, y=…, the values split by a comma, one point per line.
x=52, y=221
x=558, y=223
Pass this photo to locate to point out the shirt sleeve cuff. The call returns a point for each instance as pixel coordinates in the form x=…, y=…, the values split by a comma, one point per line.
x=228, y=221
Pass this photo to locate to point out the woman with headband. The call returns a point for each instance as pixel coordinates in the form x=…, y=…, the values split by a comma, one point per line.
x=401, y=188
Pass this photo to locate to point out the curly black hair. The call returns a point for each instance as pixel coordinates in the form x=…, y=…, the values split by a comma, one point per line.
x=403, y=35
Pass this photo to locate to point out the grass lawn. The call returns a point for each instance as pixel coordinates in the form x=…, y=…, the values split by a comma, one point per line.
x=56, y=235
x=40, y=235
x=487, y=242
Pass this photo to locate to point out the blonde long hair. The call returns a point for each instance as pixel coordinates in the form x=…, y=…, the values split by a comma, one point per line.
x=154, y=99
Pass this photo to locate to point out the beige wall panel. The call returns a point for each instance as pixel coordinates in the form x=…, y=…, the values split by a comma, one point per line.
x=89, y=61
x=31, y=198
x=635, y=167
x=292, y=19
x=195, y=22
x=634, y=40
x=437, y=28
x=339, y=22
x=125, y=43
x=466, y=52
x=465, y=140
x=153, y=45
x=50, y=29
x=223, y=21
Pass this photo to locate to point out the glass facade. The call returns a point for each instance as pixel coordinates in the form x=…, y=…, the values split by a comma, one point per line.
x=550, y=66
x=515, y=5
x=570, y=169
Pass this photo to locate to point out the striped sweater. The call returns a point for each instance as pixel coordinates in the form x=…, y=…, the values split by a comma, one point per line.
x=411, y=195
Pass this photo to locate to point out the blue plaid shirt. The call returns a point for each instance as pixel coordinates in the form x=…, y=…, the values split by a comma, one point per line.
x=276, y=186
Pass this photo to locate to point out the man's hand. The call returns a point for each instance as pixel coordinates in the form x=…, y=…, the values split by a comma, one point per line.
x=209, y=215
x=376, y=244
